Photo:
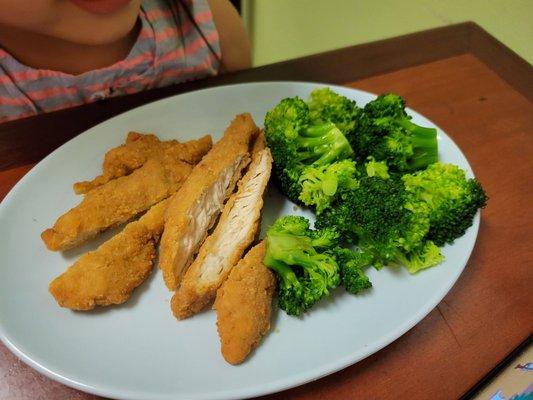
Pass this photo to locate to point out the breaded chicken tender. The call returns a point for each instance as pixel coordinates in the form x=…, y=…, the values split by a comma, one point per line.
x=139, y=148
x=199, y=202
x=119, y=201
x=109, y=274
x=235, y=231
x=244, y=305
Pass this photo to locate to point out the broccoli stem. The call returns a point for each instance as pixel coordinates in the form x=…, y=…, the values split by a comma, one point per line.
x=424, y=142
x=323, y=144
x=318, y=130
x=286, y=273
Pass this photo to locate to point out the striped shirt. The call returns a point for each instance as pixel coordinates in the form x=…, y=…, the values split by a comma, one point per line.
x=169, y=49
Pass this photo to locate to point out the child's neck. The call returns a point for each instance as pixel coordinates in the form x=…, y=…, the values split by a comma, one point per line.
x=45, y=52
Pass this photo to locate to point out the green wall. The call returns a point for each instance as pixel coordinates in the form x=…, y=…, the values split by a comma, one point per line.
x=284, y=29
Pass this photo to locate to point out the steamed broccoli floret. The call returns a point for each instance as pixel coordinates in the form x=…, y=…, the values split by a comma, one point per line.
x=383, y=225
x=452, y=200
x=377, y=218
x=305, y=269
x=387, y=204
x=386, y=132
x=297, y=142
x=351, y=267
x=339, y=217
x=319, y=184
x=426, y=255
x=327, y=106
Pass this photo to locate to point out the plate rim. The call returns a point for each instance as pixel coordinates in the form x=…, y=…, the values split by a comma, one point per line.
x=285, y=383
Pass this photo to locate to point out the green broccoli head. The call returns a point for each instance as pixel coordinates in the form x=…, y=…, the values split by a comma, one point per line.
x=297, y=142
x=377, y=168
x=426, y=255
x=375, y=216
x=299, y=256
x=324, y=238
x=386, y=105
x=339, y=216
x=283, y=125
x=352, y=264
x=327, y=106
x=382, y=222
x=386, y=132
x=320, y=184
x=451, y=199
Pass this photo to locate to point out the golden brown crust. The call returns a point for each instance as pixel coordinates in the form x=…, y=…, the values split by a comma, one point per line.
x=121, y=199
x=244, y=305
x=259, y=143
x=122, y=160
x=138, y=149
x=109, y=274
x=199, y=201
x=116, y=202
x=235, y=231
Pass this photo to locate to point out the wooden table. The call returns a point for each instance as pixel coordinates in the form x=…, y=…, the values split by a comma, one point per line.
x=481, y=94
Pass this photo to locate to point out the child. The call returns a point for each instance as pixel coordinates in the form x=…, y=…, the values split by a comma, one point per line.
x=56, y=54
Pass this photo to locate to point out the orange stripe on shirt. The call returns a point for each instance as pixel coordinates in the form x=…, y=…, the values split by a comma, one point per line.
x=199, y=43
x=50, y=92
x=13, y=101
x=157, y=13
x=186, y=27
x=176, y=73
x=151, y=62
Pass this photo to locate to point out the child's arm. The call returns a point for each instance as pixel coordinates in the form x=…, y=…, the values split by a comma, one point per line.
x=234, y=42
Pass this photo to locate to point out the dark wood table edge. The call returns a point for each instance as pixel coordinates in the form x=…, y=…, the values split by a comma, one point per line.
x=516, y=71
x=29, y=140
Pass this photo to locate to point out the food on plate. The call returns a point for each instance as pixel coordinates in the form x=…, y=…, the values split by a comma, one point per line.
x=138, y=149
x=120, y=200
x=304, y=262
x=235, y=231
x=198, y=203
x=297, y=141
x=373, y=178
x=385, y=132
x=244, y=304
x=451, y=198
x=402, y=219
x=123, y=160
x=318, y=185
x=109, y=274
x=352, y=264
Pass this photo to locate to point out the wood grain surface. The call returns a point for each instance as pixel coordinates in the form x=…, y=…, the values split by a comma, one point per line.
x=487, y=111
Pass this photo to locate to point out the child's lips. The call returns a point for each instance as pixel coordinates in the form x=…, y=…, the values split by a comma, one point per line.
x=101, y=6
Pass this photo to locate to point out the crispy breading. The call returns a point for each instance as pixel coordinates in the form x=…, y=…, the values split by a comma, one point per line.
x=119, y=201
x=244, y=305
x=198, y=203
x=235, y=231
x=109, y=274
x=138, y=149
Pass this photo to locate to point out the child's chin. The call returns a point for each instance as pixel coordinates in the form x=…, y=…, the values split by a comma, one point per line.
x=85, y=28
x=103, y=38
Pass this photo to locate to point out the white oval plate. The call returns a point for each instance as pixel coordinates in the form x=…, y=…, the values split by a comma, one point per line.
x=138, y=350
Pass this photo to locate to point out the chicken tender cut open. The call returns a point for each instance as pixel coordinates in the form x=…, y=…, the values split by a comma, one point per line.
x=138, y=149
x=234, y=233
x=199, y=202
x=244, y=306
x=109, y=274
x=119, y=200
